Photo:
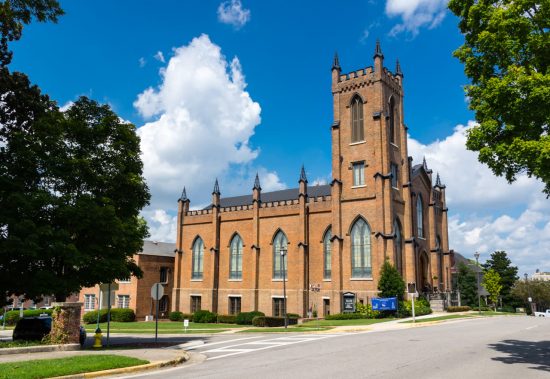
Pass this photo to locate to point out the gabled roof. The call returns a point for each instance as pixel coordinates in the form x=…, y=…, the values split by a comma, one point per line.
x=267, y=197
x=163, y=249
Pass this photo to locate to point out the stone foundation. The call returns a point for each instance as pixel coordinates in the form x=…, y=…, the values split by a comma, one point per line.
x=66, y=323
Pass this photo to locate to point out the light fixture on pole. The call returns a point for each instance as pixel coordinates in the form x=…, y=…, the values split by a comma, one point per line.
x=529, y=299
x=283, y=253
x=478, y=292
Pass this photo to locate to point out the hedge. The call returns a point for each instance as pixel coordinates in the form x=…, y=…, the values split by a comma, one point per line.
x=117, y=315
x=345, y=316
x=179, y=316
x=462, y=308
x=204, y=317
x=227, y=319
x=245, y=318
x=483, y=308
x=263, y=321
x=13, y=316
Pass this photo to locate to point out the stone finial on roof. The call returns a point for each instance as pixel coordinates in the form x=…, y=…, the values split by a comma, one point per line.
x=216, y=188
x=424, y=164
x=336, y=63
x=303, y=177
x=183, y=196
x=257, y=183
x=438, y=180
x=378, y=50
x=398, y=71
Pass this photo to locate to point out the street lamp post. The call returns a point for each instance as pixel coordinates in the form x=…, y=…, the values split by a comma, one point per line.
x=529, y=299
x=283, y=253
x=478, y=292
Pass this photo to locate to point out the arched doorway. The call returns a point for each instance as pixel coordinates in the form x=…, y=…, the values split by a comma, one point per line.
x=424, y=273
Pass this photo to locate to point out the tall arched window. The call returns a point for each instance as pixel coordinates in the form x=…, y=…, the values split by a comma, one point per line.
x=236, y=258
x=279, y=243
x=419, y=216
x=327, y=256
x=392, y=120
x=360, y=250
x=357, y=132
x=197, y=259
x=398, y=247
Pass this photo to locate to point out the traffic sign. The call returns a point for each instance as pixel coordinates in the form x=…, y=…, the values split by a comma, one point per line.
x=157, y=291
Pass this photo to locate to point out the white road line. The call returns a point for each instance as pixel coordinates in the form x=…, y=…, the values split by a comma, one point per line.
x=531, y=327
x=207, y=345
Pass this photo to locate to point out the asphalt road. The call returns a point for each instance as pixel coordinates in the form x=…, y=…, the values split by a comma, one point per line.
x=497, y=347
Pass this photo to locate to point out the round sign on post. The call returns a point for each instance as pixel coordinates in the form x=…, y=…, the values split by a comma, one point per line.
x=157, y=291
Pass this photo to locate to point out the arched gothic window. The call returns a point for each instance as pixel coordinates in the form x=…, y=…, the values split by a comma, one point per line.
x=419, y=217
x=197, y=259
x=357, y=132
x=398, y=247
x=327, y=255
x=279, y=268
x=360, y=250
x=236, y=258
x=392, y=120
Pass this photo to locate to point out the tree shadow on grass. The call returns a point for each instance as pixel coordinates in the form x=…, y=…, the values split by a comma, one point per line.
x=535, y=353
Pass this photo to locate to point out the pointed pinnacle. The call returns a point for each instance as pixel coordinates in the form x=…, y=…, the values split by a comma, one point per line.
x=424, y=163
x=216, y=188
x=183, y=196
x=378, y=50
x=336, y=62
x=303, y=177
x=257, y=183
x=398, y=71
x=438, y=180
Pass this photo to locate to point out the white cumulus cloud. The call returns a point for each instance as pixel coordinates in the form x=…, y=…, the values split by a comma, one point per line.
x=232, y=13
x=485, y=212
x=415, y=14
x=202, y=121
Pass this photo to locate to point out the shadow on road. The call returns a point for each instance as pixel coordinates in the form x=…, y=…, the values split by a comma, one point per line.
x=530, y=352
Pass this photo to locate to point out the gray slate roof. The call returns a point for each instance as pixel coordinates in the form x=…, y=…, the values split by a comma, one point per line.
x=163, y=249
x=287, y=194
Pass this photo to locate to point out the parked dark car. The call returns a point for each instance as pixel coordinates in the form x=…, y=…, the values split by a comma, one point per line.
x=36, y=328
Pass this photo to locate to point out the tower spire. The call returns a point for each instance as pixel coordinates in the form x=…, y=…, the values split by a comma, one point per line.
x=257, y=183
x=424, y=163
x=303, y=177
x=336, y=62
x=438, y=180
x=183, y=196
x=216, y=188
x=378, y=50
x=398, y=69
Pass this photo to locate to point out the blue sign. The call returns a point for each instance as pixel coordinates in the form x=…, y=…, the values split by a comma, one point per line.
x=384, y=304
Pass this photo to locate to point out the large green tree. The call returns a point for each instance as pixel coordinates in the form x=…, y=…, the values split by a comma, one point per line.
x=500, y=263
x=391, y=283
x=71, y=189
x=14, y=14
x=491, y=282
x=506, y=55
x=467, y=285
x=537, y=290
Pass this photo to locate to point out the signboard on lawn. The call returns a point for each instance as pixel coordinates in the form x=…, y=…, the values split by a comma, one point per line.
x=348, y=302
x=384, y=304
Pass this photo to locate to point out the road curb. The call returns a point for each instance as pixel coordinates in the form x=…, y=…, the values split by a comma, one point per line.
x=127, y=370
x=39, y=349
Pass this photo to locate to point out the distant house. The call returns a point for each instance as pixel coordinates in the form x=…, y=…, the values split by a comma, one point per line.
x=458, y=259
x=156, y=260
x=539, y=275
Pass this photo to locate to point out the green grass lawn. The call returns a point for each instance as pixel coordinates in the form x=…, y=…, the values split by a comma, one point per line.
x=365, y=321
x=440, y=318
x=47, y=368
x=6, y=344
x=290, y=329
x=164, y=327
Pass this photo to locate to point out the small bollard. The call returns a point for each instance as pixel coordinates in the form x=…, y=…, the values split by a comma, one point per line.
x=97, y=339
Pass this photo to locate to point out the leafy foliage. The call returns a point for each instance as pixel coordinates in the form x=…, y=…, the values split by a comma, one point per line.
x=391, y=283
x=204, y=317
x=538, y=290
x=117, y=315
x=366, y=310
x=467, y=285
x=500, y=263
x=13, y=316
x=71, y=188
x=15, y=13
x=491, y=282
x=462, y=308
x=267, y=321
x=245, y=318
x=506, y=56
x=227, y=319
x=345, y=316
x=421, y=307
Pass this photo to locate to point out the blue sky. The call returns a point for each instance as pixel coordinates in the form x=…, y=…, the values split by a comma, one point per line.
x=276, y=99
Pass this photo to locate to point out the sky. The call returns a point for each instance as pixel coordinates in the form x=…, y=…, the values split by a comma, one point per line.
x=228, y=89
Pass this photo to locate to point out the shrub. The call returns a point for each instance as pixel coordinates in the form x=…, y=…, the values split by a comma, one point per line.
x=483, y=308
x=117, y=315
x=263, y=321
x=421, y=307
x=175, y=316
x=293, y=315
x=366, y=310
x=345, y=316
x=391, y=283
x=204, y=317
x=245, y=318
x=13, y=316
x=462, y=308
x=227, y=319
x=507, y=309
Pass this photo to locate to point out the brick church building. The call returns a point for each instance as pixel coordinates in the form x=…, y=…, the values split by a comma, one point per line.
x=336, y=236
